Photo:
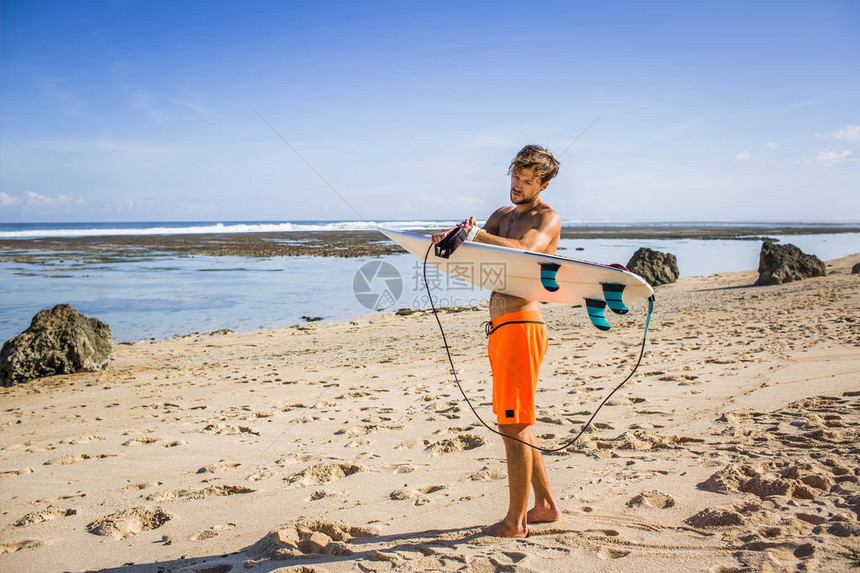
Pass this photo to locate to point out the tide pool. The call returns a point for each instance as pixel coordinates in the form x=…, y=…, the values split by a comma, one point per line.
x=159, y=295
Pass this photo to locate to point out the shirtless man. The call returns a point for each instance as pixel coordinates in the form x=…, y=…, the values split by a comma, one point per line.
x=516, y=350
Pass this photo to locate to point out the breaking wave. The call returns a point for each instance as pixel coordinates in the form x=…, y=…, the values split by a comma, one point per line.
x=45, y=230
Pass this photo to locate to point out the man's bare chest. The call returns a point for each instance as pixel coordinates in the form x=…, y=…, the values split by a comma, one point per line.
x=515, y=228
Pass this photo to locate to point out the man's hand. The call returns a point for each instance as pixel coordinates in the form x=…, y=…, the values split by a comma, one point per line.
x=466, y=226
x=440, y=235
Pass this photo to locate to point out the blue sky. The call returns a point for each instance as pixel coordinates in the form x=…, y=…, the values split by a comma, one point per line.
x=148, y=110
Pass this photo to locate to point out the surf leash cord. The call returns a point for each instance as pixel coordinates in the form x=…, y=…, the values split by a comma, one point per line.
x=569, y=442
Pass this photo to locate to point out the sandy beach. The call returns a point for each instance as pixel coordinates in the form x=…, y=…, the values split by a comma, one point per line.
x=733, y=448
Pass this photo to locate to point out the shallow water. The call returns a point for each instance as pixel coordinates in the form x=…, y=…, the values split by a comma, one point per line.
x=159, y=296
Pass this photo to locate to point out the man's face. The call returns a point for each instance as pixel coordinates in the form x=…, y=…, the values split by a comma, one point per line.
x=524, y=186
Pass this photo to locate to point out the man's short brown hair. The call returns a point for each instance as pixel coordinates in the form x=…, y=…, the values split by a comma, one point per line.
x=535, y=157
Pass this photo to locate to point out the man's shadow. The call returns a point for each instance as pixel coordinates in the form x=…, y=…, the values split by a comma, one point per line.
x=416, y=542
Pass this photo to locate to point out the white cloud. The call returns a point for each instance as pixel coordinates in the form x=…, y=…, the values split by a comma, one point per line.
x=743, y=156
x=771, y=145
x=7, y=200
x=850, y=133
x=35, y=200
x=828, y=157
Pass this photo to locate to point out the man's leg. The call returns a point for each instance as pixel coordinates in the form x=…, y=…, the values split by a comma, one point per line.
x=545, y=508
x=520, y=466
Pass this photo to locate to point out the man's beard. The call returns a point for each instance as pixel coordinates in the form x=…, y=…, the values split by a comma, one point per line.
x=518, y=199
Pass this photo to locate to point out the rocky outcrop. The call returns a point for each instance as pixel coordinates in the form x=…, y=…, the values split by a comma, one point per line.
x=655, y=267
x=60, y=340
x=780, y=264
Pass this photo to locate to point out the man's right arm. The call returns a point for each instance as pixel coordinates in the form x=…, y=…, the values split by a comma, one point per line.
x=493, y=225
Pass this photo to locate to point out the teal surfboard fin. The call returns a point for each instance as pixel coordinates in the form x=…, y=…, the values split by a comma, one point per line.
x=612, y=294
x=595, y=309
x=547, y=276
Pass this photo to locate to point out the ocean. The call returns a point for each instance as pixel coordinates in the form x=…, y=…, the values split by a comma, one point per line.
x=37, y=230
x=158, y=295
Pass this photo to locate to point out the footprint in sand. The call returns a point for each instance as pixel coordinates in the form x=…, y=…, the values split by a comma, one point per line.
x=641, y=441
x=456, y=444
x=83, y=440
x=127, y=522
x=75, y=458
x=403, y=494
x=260, y=475
x=143, y=485
x=486, y=474
x=211, y=491
x=213, y=531
x=19, y=472
x=612, y=553
x=14, y=546
x=365, y=429
x=61, y=498
x=228, y=429
x=797, y=480
x=143, y=440
x=419, y=495
x=322, y=494
x=652, y=498
x=322, y=473
x=353, y=393
x=409, y=444
x=42, y=516
x=726, y=516
x=220, y=466
x=307, y=538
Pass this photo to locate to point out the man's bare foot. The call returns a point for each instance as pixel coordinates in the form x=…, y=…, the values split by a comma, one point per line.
x=543, y=514
x=504, y=529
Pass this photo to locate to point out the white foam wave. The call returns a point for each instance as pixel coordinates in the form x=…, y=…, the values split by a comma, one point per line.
x=223, y=228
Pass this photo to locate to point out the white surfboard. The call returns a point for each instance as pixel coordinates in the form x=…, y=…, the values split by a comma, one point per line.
x=534, y=276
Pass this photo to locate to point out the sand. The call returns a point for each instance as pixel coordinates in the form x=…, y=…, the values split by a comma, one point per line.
x=346, y=447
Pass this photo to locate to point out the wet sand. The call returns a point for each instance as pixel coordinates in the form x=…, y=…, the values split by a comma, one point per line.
x=346, y=447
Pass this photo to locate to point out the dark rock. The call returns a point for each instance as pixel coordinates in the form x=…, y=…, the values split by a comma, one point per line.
x=655, y=267
x=855, y=269
x=780, y=264
x=59, y=341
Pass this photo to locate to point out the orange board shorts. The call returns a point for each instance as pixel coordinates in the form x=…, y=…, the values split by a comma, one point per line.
x=516, y=348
